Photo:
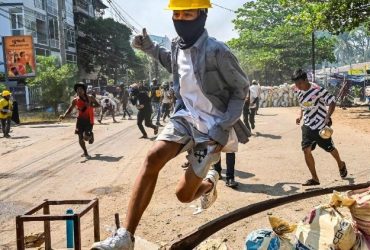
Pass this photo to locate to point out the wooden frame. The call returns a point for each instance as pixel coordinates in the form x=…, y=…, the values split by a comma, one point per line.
x=46, y=217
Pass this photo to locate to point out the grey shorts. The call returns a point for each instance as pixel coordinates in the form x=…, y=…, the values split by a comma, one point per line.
x=197, y=144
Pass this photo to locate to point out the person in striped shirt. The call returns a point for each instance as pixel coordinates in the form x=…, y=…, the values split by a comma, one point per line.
x=314, y=100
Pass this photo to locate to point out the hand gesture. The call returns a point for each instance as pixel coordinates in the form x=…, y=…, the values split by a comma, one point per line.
x=142, y=42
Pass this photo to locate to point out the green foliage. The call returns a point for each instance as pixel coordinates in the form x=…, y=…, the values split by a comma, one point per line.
x=270, y=47
x=106, y=47
x=335, y=16
x=2, y=87
x=56, y=82
x=357, y=91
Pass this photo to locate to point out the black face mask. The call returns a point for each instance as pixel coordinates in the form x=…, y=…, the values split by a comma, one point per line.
x=190, y=31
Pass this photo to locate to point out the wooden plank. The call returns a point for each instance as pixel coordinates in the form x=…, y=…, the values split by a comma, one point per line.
x=20, y=233
x=69, y=202
x=77, y=231
x=35, y=209
x=46, y=217
x=194, y=238
x=47, y=228
x=96, y=221
x=86, y=209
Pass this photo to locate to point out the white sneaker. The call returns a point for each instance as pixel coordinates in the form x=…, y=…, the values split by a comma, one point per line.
x=121, y=240
x=206, y=200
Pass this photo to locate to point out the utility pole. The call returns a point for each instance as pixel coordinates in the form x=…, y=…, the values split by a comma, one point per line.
x=62, y=39
x=313, y=56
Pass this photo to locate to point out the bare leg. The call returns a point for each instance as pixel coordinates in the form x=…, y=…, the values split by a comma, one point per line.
x=83, y=145
x=336, y=156
x=191, y=187
x=310, y=161
x=145, y=183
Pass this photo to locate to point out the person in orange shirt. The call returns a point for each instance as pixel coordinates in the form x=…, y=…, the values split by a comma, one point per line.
x=85, y=120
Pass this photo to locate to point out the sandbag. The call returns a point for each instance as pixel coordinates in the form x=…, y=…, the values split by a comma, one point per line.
x=361, y=242
x=360, y=210
x=325, y=228
x=267, y=239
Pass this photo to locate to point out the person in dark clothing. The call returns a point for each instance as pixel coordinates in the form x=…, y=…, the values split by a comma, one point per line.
x=230, y=169
x=140, y=98
x=156, y=97
x=124, y=100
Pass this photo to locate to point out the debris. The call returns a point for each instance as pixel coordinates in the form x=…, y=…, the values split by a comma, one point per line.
x=34, y=240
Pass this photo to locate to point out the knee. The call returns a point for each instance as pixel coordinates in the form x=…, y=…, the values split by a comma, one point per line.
x=184, y=197
x=153, y=162
x=307, y=150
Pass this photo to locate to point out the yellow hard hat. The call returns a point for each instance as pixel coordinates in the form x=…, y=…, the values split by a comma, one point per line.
x=6, y=93
x=189, y=4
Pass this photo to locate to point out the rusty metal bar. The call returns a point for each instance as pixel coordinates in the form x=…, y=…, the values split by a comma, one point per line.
x=35, y=209
x=46, y=217
x=20, y=233
x=47, y=227
x=194, y=238
x=96, y=221
x=77, y=231
x=69, y=202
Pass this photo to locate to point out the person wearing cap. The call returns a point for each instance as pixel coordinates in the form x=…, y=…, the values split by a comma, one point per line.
x=210, y=88
x=314, y=100
x=6, y=108
x=85, y=120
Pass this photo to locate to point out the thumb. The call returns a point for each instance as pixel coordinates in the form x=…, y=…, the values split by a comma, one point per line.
x=145, y=33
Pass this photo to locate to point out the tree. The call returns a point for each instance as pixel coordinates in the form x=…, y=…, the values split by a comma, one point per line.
x=335, y=16
x=269, y=46
x=105, y=47
x=2, y=87
x=55, y=81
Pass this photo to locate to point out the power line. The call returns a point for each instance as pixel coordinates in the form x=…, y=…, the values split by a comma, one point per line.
x=133, y=19
x=222, y=7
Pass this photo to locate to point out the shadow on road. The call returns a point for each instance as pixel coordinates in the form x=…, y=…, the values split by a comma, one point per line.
x=106, y=158
x=274, y=137
x=267, y=114
x=275, y=190
x=243, y=175
x=50, y=126
x=19, y=137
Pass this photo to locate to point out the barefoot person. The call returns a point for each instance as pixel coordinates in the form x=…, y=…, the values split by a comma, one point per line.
x=313, y=100
x=209, y=105
x=85, y=119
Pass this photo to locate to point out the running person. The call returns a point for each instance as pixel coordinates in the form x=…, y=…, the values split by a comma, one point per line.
x=313, y=100
x=85, y=119
x=209, y=105
x=140, y=98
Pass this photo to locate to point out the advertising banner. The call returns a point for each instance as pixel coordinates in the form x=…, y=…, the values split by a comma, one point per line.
x=19, y=57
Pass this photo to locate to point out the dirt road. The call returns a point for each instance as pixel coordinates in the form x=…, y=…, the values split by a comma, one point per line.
x=43, y=162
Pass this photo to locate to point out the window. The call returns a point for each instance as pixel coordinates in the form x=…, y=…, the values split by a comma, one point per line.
x=30, y=23
x=17, y=21
x=71, y=58
x=42, y=52
x=52, y=7
x=69, y=11
x=53, y=32
x=41, y=31
x=40, y=4
x=70, y=37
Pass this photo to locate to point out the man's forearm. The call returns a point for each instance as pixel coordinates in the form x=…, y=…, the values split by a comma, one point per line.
x=331, y=110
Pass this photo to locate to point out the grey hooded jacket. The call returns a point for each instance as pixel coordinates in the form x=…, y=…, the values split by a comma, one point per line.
x=221, y=79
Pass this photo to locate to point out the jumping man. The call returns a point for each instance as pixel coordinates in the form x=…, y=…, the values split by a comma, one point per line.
x=206, y=117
